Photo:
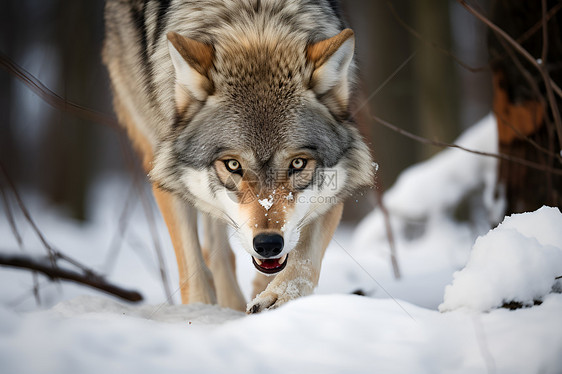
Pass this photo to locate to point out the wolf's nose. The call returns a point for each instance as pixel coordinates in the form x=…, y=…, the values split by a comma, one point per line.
x=268, y=245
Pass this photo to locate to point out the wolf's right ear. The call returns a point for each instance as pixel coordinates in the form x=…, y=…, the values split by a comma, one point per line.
x=192, y=61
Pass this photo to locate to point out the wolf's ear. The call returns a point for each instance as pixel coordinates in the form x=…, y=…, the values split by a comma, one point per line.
x=331, y=59
x=192, y=61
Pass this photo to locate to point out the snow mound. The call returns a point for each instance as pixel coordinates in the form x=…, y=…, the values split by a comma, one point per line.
x=317, y=334
x=443, y=180
x=437, y=208
x=425, y=197
x=517, y=261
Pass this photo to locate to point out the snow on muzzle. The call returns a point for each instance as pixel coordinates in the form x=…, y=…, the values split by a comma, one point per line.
x=269, y=246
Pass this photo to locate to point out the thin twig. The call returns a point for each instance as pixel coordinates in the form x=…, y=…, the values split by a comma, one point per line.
x=550, y=85
x=27, y=215
x=546, y=77
x=432, y=43
x=149, y=214
x=535, y=87
x=52, y=252
x=389, y=235
x=52, y=98
x=540, y=98
x=36, y=290
x=53, y=271
x=533, y=29
x=384, y=83
x=483, y=344
x=10, y=217
x=132, y=165
x=122, y=226
x=72, y=261
x=437, y=143
x=510, y=40
x=551, y=13
x=89, y=279
x=64, y=105
x=544, y=22
x=536, y=145
x=19, y=239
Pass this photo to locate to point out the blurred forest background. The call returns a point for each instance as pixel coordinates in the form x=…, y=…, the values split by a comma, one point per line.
x=406, y=80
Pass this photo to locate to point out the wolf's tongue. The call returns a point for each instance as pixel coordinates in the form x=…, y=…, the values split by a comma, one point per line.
x=270, y=264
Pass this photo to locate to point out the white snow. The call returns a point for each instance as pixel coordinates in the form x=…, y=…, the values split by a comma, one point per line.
x=266, y=203
x=517, y=261
x=396, y=328
x=431, y=243
x=318, y=334
x=445, y=179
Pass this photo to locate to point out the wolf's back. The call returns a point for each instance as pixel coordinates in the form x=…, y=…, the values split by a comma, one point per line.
x=136, y=51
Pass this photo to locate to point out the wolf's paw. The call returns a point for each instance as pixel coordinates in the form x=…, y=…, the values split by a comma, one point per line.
x=276, y=295
x=265, y=300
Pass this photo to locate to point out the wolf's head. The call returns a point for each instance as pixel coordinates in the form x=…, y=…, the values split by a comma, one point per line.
x=263, y=136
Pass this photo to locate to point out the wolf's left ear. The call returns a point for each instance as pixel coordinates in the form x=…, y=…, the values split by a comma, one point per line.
x=192, y=61
x=331, y=59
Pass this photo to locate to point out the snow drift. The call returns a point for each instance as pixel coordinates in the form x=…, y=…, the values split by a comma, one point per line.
x=516, y=262
x=395, y=329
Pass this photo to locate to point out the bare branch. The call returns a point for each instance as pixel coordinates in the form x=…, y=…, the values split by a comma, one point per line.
x=389, y=235
x=133, y=167
x=122, y=226
x=62, y=104
x=19, y=239
x=384, y=83
x=529, y=140
x=53, y=271
x=510, y=40
x=535, y=87
x=551, y=13
x=546, y=75
x=544, y=32
x=431, y=43
x=90, y=279
x=27, y=215
x=52, y=98
x=550, y=85
x=36, y=293
x=437, y=143
x=149, y=214
x=10, y=216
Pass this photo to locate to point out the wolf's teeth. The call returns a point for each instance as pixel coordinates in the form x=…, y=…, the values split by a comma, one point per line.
x=258, y=261
x=282, y=259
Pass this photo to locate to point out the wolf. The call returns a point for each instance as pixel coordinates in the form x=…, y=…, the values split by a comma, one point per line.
x=240, y=111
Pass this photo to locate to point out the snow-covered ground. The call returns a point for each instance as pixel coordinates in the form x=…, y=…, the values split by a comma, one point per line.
x=437, y=208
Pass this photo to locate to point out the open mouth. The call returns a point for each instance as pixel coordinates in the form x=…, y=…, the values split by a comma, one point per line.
x=270, y=266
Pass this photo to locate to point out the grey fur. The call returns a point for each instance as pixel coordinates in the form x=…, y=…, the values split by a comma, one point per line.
x=262, y=95
x=200, y=84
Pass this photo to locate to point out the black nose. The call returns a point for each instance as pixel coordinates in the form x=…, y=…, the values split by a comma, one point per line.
x=268, y=245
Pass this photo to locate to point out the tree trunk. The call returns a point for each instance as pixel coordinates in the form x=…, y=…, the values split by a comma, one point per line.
x=526, y=125
x=435, y=75
x=68, y=142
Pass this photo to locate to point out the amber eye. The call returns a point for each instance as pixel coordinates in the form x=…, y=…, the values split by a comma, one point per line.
x=297, y=165
x=233, y=166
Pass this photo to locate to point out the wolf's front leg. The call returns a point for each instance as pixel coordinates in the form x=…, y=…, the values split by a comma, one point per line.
x=300, y=276
x=196, y=280
x=222, y=262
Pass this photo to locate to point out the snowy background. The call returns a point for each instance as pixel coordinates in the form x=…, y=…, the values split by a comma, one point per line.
x=442, y=316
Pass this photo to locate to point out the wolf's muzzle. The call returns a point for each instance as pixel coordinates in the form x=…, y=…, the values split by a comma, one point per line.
x=268, y=245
